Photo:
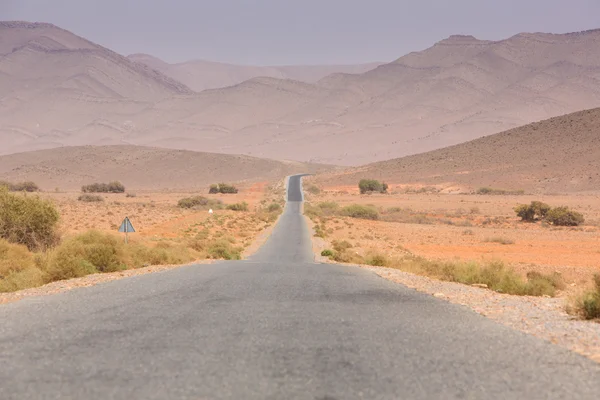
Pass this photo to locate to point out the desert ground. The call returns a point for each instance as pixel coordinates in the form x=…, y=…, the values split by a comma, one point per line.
x=471, y=227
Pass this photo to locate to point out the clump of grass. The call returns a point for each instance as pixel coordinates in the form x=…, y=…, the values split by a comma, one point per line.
x=17, y=267
x=90, y=198
x=499, y=192
x=327, y=253
x=376, y=259
x=496, y=275
x=313, y=189
x=224, y=249
x=587, y=305
x=274, y=208
x=28, y=220
x=199, y=202
x=361, y=212
x=500, y=240
x=243, y=206
x=323, y=209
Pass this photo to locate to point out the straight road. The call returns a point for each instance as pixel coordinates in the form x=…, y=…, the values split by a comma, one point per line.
x=276, y=326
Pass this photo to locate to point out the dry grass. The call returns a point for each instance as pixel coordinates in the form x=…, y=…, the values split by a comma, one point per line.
x=587, y=305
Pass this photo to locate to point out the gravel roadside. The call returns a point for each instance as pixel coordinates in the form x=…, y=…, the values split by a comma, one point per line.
x=542, y=317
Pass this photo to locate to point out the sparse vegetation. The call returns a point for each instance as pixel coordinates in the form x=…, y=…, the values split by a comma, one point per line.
x=131, y=195
x=224, y=249
x=499, y=192
x=27, y=186
x=562, y=216
x=360, y=211
x=111, y=187
x=90, y=198
x=587, y=305
x=243, y=206
x=327, y=253
x=27, y=220
x=559, y=216
x=274, y=208
x=199, y=202
x=499, y=240
x=372, y=186
x=313, y=189
x=223, y=188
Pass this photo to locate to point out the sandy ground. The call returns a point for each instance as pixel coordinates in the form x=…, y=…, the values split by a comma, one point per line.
x=156, y=218
x=463, y=227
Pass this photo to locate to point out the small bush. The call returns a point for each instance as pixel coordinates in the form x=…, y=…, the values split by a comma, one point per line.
x=376, y=260
x=361, y=212
x=111, y=187
x=27, y=220
x=499, y=240
x=131, y=195
x=323, y=209
x=372, y=185
x=274, y=208
x=20, y=186
x=499, y=192
x=199, y=202
x=341, y=246
x=562, y=216
x=588, y=305
x=243, y=206
x=224, y=188
x=313, y=189
x=90, y=198
x=532, y=212
x=223, y=249
x=17, y=268
x=327, y=253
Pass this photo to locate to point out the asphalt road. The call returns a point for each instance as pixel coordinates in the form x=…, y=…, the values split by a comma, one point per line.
x=277, y=326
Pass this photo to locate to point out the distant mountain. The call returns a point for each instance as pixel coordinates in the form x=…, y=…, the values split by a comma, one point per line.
x=201, y=75
x=561, y=154
x=63, y=90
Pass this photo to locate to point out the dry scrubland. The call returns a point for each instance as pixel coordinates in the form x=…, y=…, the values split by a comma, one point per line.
x=474, y=239
x=86, y=240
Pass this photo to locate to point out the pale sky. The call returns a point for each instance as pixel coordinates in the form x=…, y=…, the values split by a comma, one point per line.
x=280, y=32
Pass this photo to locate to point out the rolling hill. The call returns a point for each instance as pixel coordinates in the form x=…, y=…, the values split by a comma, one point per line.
x=142, y=168
x=561, y=154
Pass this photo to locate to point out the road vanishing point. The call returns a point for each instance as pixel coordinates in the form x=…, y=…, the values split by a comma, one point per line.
x=275, y=326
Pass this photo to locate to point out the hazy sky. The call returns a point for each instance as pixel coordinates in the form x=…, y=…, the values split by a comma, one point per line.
x=275, y=32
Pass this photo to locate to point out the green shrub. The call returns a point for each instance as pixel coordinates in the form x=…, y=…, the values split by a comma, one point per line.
x=224, y=188
x=223, y=249
x=532, y=212
x=588, y=305
x=376, y=260
x=493, y=191
x=361, y=212
x=243, y=206
x=90, y=198
x=199, y=202
x=17, y=268
x=111, y=187
x=27, y=220
x=372, y=185
x=274, y=207
x=20, y=186
x=562, y=216
x=327, y=253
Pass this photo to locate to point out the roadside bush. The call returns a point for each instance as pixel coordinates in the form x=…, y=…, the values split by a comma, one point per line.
x=224, y=188
x=243, y=206
x=323, y=209
x=17, y=268
x=274, y=207
x=85, y=254
x=588, y=305
x=372, y=185
x=532, y=212
x=111, y=187
x=341, y=246
x=562, y=216
x=90, y=198
x=27, y=220
x=361, y=212
x=313, y=189
x=327, y=253
x=20, y=186
x=199, y=202
x=223, y=249
x=376, y=260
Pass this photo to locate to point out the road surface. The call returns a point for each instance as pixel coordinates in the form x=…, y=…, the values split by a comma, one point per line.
x=276, y=326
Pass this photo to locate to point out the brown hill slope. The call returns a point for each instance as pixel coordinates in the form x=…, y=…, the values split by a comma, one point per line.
x=201, y=74
x=143, y=168
x=561, y=154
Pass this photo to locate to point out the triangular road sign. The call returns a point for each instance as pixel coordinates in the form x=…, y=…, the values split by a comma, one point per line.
x=126, y=226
